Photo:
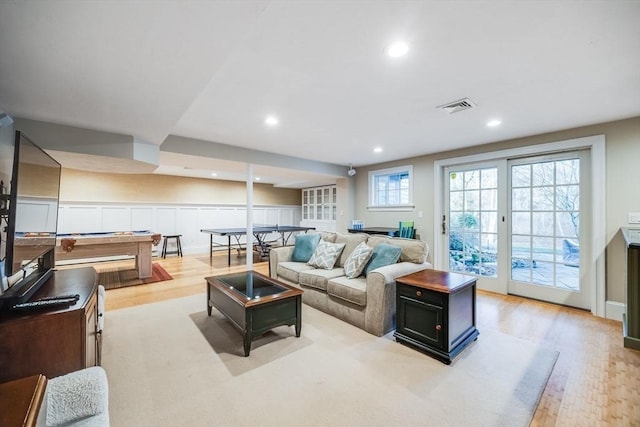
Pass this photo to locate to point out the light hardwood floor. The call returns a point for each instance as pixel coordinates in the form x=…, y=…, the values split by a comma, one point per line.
x=595, y=382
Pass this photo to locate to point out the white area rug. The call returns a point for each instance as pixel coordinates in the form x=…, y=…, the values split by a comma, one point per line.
x=169, y=364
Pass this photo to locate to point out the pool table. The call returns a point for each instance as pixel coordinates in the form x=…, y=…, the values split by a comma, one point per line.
x=104, y=244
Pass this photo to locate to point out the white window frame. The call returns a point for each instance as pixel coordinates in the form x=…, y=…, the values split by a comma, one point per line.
x=390, y=171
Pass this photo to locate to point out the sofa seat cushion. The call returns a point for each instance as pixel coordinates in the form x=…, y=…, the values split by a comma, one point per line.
x=318, y=278
x=351, y=290
x=290, y=270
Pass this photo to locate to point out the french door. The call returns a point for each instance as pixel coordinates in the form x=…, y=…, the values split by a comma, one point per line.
x=549, y=250
x=518, y=225
x=475, y=222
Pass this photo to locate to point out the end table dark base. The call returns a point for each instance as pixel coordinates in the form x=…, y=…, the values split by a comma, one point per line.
x=442, y=356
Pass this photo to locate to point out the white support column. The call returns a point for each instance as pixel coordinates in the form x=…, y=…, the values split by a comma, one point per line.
x=249, y=250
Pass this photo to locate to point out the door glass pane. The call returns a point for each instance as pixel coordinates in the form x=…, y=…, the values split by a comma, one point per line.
x=545, y=202
x=473, y=221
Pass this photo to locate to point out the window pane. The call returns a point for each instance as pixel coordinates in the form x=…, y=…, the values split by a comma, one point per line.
x=489, y=200
x=568, y=198
x=542, y=198
x=543, y=249
x=471, y=221
x=455, y=181
x=542, y=174
x=472, y=200
x=489, y=222
x=520, y=199
x=456, y=221
x=542, y=223
x=521, y=222
x=520, y=246
x=471, y=180
x=489, y=178
x=521, y=176
x=543, y=273
x=568, y=224
x=568, y=172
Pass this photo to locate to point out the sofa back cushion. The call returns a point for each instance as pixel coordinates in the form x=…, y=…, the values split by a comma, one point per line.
x=350, y=240
x=412, y=250
x=383, y=254
x=304, y=247
x=327, y=236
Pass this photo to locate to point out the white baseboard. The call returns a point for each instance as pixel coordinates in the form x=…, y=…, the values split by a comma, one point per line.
x=614, y=310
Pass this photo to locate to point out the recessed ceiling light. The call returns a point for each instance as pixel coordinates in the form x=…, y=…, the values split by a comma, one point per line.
x=257, y=178
x=377, y=150
x=214, y=174
x=494, y=123
x=397, y=49
x=271, y=120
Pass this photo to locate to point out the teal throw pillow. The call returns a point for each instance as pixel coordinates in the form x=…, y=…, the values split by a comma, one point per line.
x=304, y=247
x=383, y=254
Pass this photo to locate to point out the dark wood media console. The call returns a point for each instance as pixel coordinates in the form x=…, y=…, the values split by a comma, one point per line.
x=57, y=340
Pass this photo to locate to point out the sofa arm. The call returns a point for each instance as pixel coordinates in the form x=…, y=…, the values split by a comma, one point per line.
x=381, y=295
x=278, y=255
x=80, y=398
x=393, y=271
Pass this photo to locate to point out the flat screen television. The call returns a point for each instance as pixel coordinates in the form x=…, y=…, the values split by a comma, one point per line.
x=32, y=219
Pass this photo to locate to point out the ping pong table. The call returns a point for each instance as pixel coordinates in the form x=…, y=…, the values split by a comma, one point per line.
x=260, y=232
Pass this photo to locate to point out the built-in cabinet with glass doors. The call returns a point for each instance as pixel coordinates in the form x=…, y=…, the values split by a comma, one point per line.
x=319, y=207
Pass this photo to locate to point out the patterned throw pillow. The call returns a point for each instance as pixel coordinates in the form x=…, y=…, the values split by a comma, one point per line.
x=356, y=261
x=304, y=246
x=383, y=254
x=326, y=254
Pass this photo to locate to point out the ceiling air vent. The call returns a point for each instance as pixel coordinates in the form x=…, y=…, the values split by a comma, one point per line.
x=455, y=106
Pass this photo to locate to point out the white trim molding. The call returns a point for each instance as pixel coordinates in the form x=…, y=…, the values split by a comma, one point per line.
x=615, y=310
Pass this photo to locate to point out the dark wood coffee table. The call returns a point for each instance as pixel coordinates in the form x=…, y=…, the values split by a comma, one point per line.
x=254, y=303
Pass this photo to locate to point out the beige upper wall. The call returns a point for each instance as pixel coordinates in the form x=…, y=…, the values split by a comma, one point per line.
x=82, y=186
x=622, y=188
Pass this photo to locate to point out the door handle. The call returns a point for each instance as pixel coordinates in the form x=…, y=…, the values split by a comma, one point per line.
x=444, y=224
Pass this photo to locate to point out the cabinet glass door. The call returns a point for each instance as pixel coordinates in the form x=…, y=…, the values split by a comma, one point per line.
x=333, y=202
x=319, y=204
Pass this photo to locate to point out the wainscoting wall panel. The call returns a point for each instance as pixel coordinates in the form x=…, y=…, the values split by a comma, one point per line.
x=112, y=218
x=186, y=220
x=141, y=217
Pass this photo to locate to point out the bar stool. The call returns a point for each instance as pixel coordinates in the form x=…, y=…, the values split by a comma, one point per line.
x=178, y=250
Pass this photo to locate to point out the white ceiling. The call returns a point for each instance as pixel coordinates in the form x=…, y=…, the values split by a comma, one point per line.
x=212, y=70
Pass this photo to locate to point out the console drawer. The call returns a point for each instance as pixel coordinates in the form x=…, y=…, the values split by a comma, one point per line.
x=420, y=294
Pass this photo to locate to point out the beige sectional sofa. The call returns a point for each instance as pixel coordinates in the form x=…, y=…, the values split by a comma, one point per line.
x=366, y=302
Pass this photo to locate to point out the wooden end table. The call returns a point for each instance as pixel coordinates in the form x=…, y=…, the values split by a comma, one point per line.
x=254, y=303
x=436, y=312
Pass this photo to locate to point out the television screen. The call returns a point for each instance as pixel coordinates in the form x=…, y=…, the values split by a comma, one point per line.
x=33, y=205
